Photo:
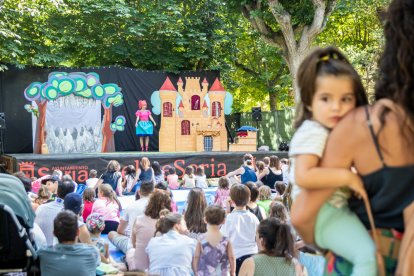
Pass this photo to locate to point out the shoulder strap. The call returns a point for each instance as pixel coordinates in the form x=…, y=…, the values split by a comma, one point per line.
x=374, y=137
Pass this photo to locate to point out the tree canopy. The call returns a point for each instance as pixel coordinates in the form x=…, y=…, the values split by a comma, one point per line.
x=255, y=44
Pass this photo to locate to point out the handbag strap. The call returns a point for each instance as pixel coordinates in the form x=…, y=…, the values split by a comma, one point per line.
x=380, y=260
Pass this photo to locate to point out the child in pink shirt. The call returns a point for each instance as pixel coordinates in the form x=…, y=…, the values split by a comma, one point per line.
x=172, y=179
x=108, y=206
x=223, y=192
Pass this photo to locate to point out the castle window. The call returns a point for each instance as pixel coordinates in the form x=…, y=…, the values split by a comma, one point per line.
x=195, y=102
x=167, y=109
x=185, y=127
x=216, y=109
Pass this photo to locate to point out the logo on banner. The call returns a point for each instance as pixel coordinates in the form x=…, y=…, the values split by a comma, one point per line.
x=28, y=168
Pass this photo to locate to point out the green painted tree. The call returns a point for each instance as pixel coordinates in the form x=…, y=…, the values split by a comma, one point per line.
x=61, y=84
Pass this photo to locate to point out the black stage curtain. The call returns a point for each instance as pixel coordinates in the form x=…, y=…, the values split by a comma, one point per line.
x=136, y=85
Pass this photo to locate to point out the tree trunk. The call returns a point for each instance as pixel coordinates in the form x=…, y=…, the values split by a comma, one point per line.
x=40, y=127
x=272, y=99
x=108, y=144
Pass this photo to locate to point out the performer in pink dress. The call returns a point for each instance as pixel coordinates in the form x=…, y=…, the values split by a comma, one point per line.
x=144, y=128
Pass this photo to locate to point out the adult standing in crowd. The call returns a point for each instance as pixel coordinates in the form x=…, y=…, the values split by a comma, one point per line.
x=378, y=141
x=272, y=173
x=112, y=176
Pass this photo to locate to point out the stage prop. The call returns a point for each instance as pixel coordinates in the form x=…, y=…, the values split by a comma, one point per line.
x=78, y=165
x=246, y=140
x=192, y=117
x=75, y=101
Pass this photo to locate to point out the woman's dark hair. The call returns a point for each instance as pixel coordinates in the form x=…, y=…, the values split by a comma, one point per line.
x=156, y=167
x=167, y=221
x=158, y=201
x=327, y=61
x=277, y=239
x=254, y=191
x=89, y=194
x=280, y=187
x=396, y=70
x=130, y=170
x=194, y=214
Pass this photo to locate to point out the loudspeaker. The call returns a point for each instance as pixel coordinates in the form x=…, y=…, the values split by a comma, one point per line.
x=2, y=121
x=257, y=113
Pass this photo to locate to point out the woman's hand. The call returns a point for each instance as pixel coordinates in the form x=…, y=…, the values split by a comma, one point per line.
x=357, y=186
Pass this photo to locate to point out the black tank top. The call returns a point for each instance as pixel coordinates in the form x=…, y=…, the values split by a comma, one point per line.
x=270, y=179
x=390, y=190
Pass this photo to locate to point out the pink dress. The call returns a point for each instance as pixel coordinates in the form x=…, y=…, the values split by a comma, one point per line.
x=221, y=197
x=143, y=115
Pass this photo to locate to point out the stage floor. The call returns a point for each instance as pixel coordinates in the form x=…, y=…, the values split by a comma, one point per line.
x=78, y=165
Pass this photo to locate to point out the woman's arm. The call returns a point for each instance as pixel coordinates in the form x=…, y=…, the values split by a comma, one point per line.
x=263, y=173
x=152, y=120
x=236, y=172
x=134, y=234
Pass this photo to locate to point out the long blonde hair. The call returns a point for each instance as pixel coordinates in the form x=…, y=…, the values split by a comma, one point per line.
x=109, y=194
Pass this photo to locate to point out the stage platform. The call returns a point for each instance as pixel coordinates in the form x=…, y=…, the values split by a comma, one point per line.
x=215, y=164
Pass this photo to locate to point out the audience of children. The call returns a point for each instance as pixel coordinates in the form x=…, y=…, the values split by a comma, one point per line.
x=201, y=242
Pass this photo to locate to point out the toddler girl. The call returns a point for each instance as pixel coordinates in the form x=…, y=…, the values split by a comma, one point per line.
x=172, y=179
x=96, y=224
x=188, y=179
x=265, y=198
x=201, y=179
x=214, y=252
x=330, y=87
x=223, y=192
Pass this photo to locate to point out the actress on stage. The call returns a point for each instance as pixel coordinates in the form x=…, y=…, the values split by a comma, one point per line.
x=144, y=128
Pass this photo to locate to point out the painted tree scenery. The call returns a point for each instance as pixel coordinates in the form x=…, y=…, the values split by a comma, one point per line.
x=85, y=85
x=256, y=45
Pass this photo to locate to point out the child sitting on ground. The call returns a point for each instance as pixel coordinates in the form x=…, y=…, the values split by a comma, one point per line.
x=88, y=200
x=240, y=226
x=214, y=252
x=189, y=178
x=96, y=224
x=172, y=179
x=200, y=178
x=223, y=192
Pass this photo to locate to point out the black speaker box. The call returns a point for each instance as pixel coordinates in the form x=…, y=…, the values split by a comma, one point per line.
x=257, y=113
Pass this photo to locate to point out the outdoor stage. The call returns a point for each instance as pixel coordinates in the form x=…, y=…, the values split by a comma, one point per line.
x=215, y=164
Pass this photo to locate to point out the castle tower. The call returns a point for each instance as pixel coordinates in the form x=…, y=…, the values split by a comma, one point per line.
x=168, y=95
x=217, y=95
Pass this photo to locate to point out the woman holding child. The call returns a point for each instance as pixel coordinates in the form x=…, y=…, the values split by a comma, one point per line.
x=378, y=141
